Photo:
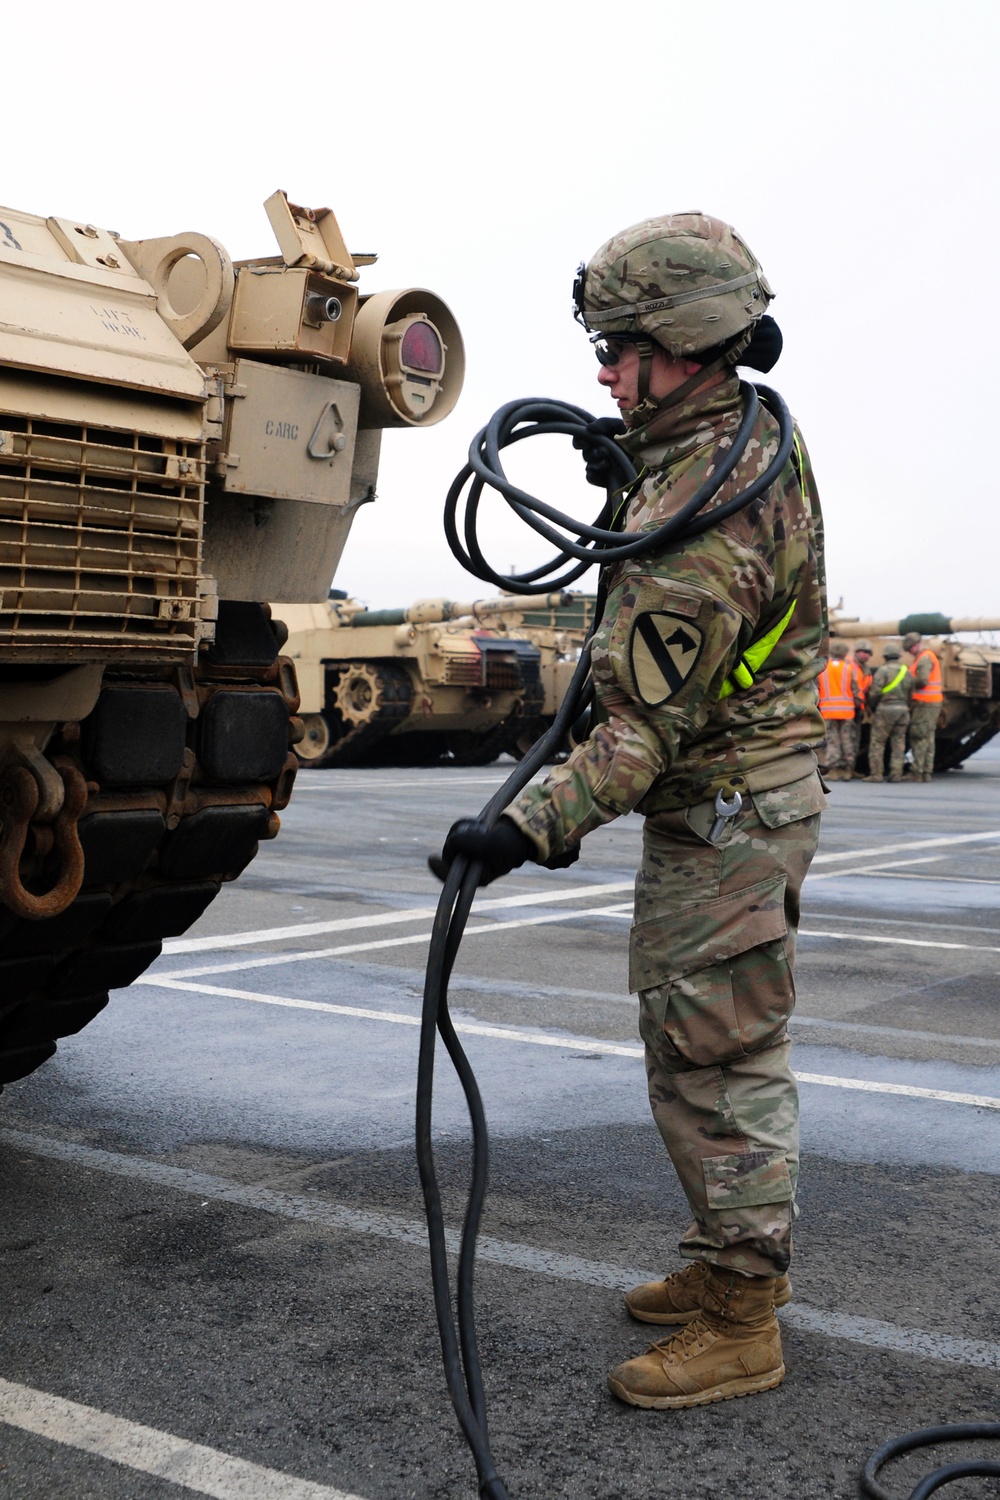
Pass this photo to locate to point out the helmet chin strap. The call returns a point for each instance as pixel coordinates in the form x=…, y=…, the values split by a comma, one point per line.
x=647, y=409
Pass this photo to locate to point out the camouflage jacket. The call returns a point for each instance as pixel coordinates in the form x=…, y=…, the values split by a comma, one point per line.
x=896, y=702
x=675, y=626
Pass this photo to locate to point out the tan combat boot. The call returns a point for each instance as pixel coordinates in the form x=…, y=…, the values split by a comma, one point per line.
x=677, y=1298
x=732, y=1348
x=873, y=778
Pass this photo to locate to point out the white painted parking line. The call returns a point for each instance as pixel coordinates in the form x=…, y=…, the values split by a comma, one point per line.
x=595, y=1046
x=192, y=1466
x=271, y=960
x=622, y=911
x=876, y=869
x=906, y=848
x=898, y=942
x=548, y=897
x=536, y=1260
x=899, y=1033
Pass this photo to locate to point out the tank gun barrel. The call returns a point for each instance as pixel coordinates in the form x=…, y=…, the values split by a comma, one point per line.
x=434, y=611
x=925, y=624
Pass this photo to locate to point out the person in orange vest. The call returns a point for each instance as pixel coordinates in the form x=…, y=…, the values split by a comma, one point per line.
x=928, y=695
x=841, y=703
x=862, y=658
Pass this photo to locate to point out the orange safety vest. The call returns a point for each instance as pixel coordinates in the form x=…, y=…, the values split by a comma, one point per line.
x=932, y=692
x=836, y=700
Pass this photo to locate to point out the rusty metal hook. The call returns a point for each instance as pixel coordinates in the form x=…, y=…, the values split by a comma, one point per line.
x=18, y=803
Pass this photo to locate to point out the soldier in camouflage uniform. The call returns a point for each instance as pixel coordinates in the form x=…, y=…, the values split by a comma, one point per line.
x=678, y=299
x=925, y=707
x=889, y=700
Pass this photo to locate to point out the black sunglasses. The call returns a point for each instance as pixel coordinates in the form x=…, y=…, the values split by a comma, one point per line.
x=610, y=350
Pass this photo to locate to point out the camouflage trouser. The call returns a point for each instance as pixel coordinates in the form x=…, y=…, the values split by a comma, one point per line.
x=711, y=958
x=841, y=748
x=888, y=724
x=923, y=725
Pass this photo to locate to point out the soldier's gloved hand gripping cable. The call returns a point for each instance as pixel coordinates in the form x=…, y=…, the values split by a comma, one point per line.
x=480, y=849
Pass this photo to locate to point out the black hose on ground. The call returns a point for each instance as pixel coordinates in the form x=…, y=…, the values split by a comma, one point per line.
x=963, y=1432
x=578, y=551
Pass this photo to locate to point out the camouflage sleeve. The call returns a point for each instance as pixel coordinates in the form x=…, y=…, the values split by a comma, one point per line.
x=921, y=674
x=660, y=659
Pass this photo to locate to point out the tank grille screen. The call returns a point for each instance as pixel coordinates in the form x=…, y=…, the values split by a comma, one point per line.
x=977, y=682
x=501, y=673
x=464, y=671
x=100, y=541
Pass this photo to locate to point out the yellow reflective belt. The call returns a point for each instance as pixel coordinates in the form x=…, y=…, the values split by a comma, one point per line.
x=756, y=655
x=896, y=680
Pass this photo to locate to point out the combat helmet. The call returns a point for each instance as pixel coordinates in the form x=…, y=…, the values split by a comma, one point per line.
x=892, y=652
x=911, y=638
x=863, y=645
x=839, y=650
x=686, y=281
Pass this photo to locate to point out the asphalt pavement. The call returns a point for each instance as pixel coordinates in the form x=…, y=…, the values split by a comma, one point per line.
x=215, y=1278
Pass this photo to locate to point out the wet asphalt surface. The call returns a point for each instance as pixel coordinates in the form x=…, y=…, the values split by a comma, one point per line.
x=211, y=1204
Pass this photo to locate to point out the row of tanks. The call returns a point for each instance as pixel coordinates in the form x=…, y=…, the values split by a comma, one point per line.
x=185, y=439
x=970, y=675
x=437, y=681
x=465, y=682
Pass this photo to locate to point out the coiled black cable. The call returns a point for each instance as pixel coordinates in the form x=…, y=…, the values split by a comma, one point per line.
x=585, y=545
x=962, y=1432
x=598, y=542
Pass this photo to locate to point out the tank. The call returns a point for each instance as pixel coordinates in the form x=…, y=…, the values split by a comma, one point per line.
x=437, y=680
x=970, y=712
x=184, y=439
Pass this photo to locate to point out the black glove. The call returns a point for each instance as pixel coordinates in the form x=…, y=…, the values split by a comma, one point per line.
x=501, y=848
x=593, y=444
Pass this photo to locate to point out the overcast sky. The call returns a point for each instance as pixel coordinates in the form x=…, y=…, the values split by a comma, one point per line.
x=483, y=151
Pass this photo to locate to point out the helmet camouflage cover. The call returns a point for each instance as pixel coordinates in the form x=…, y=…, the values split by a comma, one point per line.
x=892, y=652
x=911, y=638
x=863, y=645
x=686, y=280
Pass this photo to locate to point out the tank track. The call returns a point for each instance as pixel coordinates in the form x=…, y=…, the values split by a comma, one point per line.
x=951, y=751
x=351, y=743
x=186, y=771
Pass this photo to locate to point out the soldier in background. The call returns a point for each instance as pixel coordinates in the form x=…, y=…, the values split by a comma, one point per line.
x=862, y=658
x=841, y=702
x=928, y=696
x=889, y=700
x=704, y=668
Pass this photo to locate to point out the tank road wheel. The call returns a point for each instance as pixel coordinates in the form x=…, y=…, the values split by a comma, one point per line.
x=186, y=772
x=317, y=738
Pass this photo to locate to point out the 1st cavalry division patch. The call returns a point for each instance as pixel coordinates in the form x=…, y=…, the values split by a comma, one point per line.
x=664, y=650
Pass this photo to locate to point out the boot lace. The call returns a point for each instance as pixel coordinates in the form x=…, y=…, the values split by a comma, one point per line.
x=694, y=1338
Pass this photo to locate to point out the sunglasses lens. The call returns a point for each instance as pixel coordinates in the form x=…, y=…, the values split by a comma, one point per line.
x=608, y=351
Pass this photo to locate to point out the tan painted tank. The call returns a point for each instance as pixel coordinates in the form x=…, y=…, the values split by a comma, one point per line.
x=970, y=712
x=439, y=680
x=183, y=440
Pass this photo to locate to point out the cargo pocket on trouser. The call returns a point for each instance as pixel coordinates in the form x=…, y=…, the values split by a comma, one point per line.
x=714, y=981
